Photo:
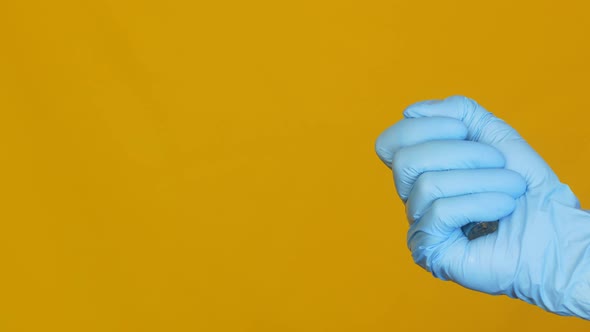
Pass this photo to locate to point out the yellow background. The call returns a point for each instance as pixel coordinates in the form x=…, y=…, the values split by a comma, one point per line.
x=209, y=165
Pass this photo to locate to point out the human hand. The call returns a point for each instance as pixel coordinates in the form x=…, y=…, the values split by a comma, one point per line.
x=455, y=163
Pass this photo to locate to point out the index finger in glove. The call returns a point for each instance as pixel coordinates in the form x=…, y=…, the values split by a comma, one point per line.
x=409, y=132
x=440, y=227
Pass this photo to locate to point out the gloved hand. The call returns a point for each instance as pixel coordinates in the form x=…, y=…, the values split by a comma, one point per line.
x=455, y=163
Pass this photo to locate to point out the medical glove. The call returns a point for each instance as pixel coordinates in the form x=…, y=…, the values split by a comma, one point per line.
x=455, y=163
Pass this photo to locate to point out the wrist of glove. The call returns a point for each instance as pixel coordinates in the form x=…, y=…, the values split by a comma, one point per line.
x=556, y=272
x=455, y=163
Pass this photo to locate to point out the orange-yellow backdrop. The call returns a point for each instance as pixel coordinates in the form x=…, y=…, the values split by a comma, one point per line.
x=209, y=166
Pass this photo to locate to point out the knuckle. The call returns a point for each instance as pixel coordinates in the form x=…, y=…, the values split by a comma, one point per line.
x=399, y=161
x=424, y=184
x=437, y=208
x=468, y=103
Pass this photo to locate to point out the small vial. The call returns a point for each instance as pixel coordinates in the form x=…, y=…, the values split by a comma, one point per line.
x=476, y=229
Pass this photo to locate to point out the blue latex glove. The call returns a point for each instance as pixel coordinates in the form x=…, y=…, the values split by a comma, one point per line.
x=455, y=163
